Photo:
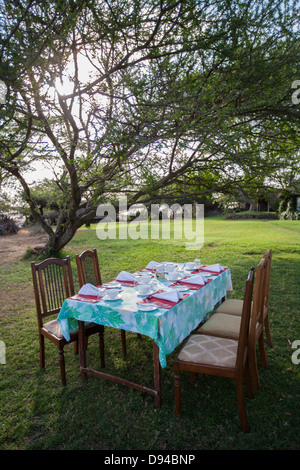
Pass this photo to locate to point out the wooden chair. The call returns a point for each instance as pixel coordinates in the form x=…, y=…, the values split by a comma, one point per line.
x=223, y=357
x=226, y=325
x=234, y=306
x=89, y=271
x=52, y=284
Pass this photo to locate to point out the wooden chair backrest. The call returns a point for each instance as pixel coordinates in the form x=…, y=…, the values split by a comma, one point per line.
x=52, y=284
x=258, y=298
x=245, y=319
x=88, y=268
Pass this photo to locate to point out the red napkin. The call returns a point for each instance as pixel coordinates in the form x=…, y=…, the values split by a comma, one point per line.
x=163, y=303
x=190, y=285
x=153, y=269
x=126, y=283
x=207, y=271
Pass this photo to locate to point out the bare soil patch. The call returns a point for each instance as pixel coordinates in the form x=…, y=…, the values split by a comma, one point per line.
x=13, y=247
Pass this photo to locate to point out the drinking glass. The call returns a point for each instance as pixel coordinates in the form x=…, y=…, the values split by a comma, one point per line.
x=100, y=293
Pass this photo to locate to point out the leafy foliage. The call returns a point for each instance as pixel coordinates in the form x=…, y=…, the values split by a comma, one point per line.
x=148, y=99
x=287, y=211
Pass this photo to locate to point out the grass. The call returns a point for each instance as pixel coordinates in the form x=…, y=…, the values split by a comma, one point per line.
x=38, y=413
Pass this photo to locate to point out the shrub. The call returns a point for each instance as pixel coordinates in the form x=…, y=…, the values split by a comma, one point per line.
x=7, y=225
x=252, y=215
x=287, y=211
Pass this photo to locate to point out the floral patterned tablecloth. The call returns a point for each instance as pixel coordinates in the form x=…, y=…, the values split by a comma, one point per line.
x=167, y=327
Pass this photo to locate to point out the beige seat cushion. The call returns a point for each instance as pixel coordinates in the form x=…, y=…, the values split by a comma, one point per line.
x=223, y=325
x=53, y=327
x=231, y=307
x=209, y=350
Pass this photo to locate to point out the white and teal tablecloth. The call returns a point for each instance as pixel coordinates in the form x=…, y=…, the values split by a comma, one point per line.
x=167, y=327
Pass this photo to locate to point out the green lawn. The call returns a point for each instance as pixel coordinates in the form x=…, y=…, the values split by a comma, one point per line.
x=38, y=413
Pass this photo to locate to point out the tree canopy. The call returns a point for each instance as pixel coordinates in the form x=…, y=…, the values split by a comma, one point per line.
x=152, y=99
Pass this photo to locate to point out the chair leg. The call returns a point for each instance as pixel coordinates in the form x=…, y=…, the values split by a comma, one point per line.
x=42, y=351
x=268, y=332
x=101, y=345
x=177, y=390
x=76, y=347
x=253, y=366
x=262, y=351
x=62, y=366
x=241, y=404
x=123, y=341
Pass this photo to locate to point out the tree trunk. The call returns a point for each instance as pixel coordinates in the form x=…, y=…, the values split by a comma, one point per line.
x=58, y=240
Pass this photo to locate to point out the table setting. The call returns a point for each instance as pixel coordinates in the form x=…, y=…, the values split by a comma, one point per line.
x=88, y=293
x=163, y=299
x=157, y=290
x=162, y=284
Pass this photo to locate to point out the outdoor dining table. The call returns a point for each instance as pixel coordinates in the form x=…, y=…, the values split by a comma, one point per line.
x=167, y=325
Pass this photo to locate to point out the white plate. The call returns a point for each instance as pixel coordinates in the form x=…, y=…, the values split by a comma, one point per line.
x=147, y=307
x=145, y=295
x=180, y=288
x=111, y=300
